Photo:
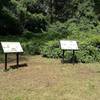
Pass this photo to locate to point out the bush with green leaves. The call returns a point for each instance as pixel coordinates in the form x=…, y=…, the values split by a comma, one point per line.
x=32, y=47
x=36, y=23
x=27, y=34
x=51, y=49
x=89, y=49
x=56, y=31
x=88, y=53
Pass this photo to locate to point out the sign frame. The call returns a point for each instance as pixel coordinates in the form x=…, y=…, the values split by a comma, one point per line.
x=8, y=48
x=72, y=46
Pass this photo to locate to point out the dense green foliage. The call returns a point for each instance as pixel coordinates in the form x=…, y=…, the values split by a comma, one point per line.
x=88, y=41
x=16, y=16
x=40, y=24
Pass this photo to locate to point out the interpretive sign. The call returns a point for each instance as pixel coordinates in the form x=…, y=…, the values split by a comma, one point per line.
x=11, y=47
x=68, y=45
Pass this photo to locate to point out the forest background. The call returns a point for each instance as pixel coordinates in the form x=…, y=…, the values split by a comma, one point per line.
x=40, y=24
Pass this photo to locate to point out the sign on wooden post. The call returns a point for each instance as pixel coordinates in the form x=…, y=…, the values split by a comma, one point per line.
x=68, y=45
x=11, y=47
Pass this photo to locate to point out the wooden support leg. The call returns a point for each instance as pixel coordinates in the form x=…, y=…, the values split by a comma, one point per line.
x=63, y=56
x=5, y=61
x=73, y=56
x=17, y=55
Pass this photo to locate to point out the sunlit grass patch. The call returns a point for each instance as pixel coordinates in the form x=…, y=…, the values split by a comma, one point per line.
x=49, y=79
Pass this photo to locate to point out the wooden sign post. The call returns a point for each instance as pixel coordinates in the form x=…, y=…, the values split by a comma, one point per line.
x=68, y=45
x=11, y=47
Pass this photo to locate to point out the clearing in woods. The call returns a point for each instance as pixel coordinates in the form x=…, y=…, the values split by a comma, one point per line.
x=48, y=79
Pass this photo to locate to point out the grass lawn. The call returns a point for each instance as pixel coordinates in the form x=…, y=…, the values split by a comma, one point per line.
x=48, y=79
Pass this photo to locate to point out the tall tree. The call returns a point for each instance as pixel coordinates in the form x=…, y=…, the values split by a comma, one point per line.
x=4, y=3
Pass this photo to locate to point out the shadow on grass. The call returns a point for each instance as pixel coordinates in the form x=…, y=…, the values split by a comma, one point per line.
x=15, y=67
x=97, y=71
x=72, y=60
x=18, y=66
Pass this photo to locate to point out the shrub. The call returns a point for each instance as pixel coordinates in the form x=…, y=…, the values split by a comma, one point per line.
x=88, y=54
x=56, y=31
x=89, y=49
x=51, y=49
x=32, y=47
x=27, y=34
x=36, y=23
